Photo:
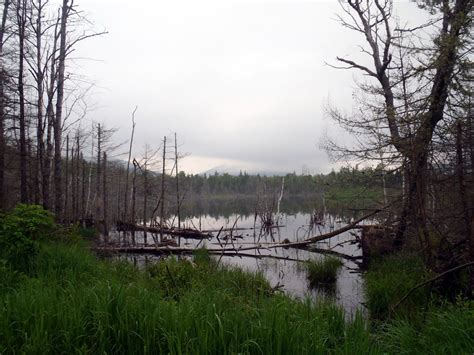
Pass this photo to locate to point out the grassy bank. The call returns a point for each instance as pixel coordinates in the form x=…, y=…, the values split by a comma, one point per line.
x=56, y=297
x=74, y=303
x=425, y=323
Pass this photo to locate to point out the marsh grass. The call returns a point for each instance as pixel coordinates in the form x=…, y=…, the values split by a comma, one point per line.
x=389, y=279
x=323, y=271
x=75, y=303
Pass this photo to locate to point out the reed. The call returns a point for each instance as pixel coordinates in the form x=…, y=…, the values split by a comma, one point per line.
x=323, y=271
x=75, y=303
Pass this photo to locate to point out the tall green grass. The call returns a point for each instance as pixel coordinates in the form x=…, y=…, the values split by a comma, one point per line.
x=74, y=303
x=389, y=279
x=323, y=271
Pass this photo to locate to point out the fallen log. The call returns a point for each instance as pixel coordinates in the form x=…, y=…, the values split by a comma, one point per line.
x=182, y=232
x=176, y=250
x=240, y=229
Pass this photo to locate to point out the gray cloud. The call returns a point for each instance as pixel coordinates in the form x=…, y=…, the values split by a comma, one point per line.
x=240, y=81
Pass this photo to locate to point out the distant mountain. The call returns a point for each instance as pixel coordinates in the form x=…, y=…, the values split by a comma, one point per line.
x=234, y=170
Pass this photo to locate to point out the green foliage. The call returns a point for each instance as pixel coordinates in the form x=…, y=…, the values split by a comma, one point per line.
x=33, y=221
x=78, y=304
x=88, y=232
x=323, y=271
x=20, y=231
x=75, y=233
x=245, y=184
x=8, y=278
x=444, y=331
x=390, y=278
x=172, y=277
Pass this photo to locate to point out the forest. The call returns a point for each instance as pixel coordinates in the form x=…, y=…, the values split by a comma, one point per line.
x=108, y=248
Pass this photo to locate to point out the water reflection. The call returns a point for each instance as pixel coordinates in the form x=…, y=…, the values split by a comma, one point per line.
x=283, y=267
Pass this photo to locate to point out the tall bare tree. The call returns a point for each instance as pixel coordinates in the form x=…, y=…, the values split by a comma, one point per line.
x=58, y=120
x=21, y=9
x=410, y=128
x=6, y=5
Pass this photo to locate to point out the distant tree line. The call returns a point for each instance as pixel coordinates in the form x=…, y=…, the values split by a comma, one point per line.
x=293, y=184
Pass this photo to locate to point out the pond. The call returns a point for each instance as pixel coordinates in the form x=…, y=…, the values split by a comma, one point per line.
x=285, y=268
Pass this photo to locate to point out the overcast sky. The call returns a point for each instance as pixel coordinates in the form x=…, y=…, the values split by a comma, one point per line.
x=243, y=83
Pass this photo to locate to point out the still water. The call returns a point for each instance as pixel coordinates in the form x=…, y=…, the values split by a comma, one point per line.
x=283, y=267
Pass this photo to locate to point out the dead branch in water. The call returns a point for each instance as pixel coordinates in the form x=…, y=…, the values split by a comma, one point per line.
x=238, y=229
x=183, y=232
x=233, y=250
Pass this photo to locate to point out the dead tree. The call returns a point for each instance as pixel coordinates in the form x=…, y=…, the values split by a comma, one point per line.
x=6, y=5
x=83, y=188
x=66, y=182
x=38, y=68
x=147, y=159
x=98, y=199
x=58, y=118
x=430, y=86
x=162, y=198
x=76, y=179
x=134, y=197
x=105, y=197
x=125, y=210
x=178, y=201
x=21, y=23
x=46, y=173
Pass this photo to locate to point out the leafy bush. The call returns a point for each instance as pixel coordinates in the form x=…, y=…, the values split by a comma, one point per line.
x=20, y=231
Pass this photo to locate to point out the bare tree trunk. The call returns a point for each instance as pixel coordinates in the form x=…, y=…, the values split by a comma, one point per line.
x=66, y=182
x=50, y=124
x=134, y=190
x=2, y=107
x=98, y=212
x=83, y=189
x=125, y=210
x=104, y=191
x=178, y=204
x=470, y=119
x=77, y=179
x=72, y=213
x=58, y=121
x=89, y=179
x=39, y=103
x=145, y=197
x=162, y=208
x=464, y=200
x=72, y=197
x=21, y=21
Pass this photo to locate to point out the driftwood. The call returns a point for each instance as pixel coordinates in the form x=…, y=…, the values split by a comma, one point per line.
x=183, y=232
x=238, y=229
x=233, y=250
x=354, y=259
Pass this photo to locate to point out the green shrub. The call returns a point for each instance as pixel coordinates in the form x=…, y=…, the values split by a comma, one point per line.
x=20, y=231
x=389, y=279
x=323, y=271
